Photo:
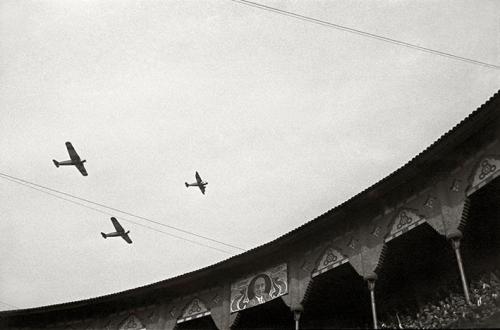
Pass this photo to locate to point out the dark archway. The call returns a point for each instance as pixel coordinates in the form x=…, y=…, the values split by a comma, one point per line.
x=271, y=315
x=418, y=267
x=481, y=232
x=338, y=298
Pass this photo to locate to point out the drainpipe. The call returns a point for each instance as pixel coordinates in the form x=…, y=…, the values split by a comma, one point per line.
x=455, y=238
x=370, y=279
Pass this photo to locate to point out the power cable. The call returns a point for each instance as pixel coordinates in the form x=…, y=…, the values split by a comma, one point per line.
x=110, y=214
x=364, y=34
x=30, y=185
x=124, y=212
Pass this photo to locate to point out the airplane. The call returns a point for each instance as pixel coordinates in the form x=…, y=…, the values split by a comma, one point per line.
x=199, y=183
x=119, y=231
x=75, y=160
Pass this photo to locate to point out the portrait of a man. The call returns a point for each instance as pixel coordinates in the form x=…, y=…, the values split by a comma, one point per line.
x=258, y=290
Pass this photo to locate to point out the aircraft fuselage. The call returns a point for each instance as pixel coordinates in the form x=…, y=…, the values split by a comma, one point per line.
x=114, y=234
x=71, y=162
x=196, y=184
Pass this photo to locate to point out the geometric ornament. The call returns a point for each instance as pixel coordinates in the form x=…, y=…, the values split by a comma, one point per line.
x=194, y=310
x=376, y=231
x=430, y=201
x=306, y=265
x=330, y=259
x=456, y=186
x=487, y=169
x=131, y=323
x=405, y=220
x=173, y=310
x=352, y=243
x=216, y=299
x=152, y=315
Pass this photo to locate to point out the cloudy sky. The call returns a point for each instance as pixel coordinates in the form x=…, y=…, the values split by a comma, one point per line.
x=285, y=119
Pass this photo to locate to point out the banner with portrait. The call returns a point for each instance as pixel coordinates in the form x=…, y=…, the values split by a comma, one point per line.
x=259, y=288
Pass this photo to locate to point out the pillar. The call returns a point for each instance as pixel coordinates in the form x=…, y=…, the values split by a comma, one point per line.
x=370, y=279
x=297, y=312
x=455, y=238
x=299, y=280
x=220, y=310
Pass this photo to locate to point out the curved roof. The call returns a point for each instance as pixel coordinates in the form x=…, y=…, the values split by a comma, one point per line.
x=478, y=118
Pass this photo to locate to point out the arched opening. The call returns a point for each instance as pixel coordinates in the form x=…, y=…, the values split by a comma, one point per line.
x=271, y=315
x=480, y=253
x=419, y=267
x=338, y=298
x=481, y=233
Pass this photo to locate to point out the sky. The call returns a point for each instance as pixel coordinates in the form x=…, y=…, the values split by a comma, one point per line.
x=284, y=118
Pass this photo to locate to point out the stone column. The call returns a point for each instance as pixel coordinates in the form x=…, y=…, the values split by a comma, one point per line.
x=297, y=312
x=299, y=280
x=370, y=279
x=220, y=311
x=455, y=238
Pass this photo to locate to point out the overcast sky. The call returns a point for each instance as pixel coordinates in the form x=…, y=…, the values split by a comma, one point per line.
x=285, y=119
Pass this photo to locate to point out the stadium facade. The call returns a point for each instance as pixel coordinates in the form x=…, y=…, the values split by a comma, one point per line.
x=427, y=231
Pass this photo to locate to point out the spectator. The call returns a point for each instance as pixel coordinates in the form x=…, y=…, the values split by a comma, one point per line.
x=485, y=296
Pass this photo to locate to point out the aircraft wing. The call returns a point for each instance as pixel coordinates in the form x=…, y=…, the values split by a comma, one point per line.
x=117, y=225
x=126, y=238
x=72, y=153
x=82, y=169
x=198, y=178
x=202, y=188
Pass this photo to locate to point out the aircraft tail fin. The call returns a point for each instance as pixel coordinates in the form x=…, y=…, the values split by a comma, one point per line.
x=187, y=185
x=104, y=235
x=56, y=163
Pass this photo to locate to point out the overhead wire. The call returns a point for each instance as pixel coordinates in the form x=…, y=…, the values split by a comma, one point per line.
x=34, y=187
x=111, y=214
x=364, y=34
x=124, y=212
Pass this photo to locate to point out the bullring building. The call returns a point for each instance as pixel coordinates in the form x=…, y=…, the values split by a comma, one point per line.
x=418, y=249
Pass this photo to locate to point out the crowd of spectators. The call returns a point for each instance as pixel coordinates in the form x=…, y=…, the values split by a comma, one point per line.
x=453, y=310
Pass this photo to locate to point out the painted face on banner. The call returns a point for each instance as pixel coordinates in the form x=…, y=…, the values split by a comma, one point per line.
x=260, y=287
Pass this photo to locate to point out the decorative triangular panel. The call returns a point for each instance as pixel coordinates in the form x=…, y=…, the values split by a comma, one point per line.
x=195, y=309
x=330, y=259
x=406, y=219
x=486, y=170
x=131, y=323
